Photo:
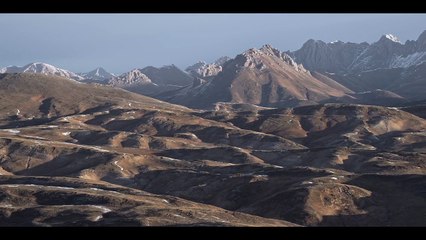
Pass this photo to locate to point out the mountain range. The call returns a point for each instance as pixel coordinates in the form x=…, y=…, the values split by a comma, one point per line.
x=385, y=72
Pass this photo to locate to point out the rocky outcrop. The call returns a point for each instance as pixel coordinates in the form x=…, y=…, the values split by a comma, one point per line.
x=203, y=70
x=134, y=77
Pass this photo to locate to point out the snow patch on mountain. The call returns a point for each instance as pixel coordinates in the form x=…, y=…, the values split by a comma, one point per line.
x=407, y=61
x=393, y=38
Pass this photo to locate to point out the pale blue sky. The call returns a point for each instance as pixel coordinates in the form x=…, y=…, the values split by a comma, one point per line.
x=121, y=42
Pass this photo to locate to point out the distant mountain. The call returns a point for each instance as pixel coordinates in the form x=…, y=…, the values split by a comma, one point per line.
x=135, y=76
x=339, y=57
x=151, y=80
x=97, y=75
x=42, y=68
x=203, y=70
x=134, y=81
x=167, y=75
x=262, y=76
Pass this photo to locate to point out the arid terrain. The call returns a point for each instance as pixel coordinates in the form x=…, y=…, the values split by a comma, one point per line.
x=77, y=154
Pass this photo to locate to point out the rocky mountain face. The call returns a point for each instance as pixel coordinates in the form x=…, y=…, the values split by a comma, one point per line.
x=381, y=54
x=203, y=70
x=97, y=75
x=337, y=56
x=42, y=68
x=167, y=75
x=262, y=76
x=133, y=77
x=75, y=154
x=410, y=83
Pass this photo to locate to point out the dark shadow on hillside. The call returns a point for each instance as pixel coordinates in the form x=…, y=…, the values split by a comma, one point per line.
x=280, y=197
x=68, y=164
x=396, y=200
x=26, y=123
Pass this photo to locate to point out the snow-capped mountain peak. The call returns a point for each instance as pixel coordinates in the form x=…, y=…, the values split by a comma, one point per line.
x=42, y=68
x=393, y=38
x=39, y=67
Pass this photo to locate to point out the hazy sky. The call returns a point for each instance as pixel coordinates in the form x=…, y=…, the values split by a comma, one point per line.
x=121, y=42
